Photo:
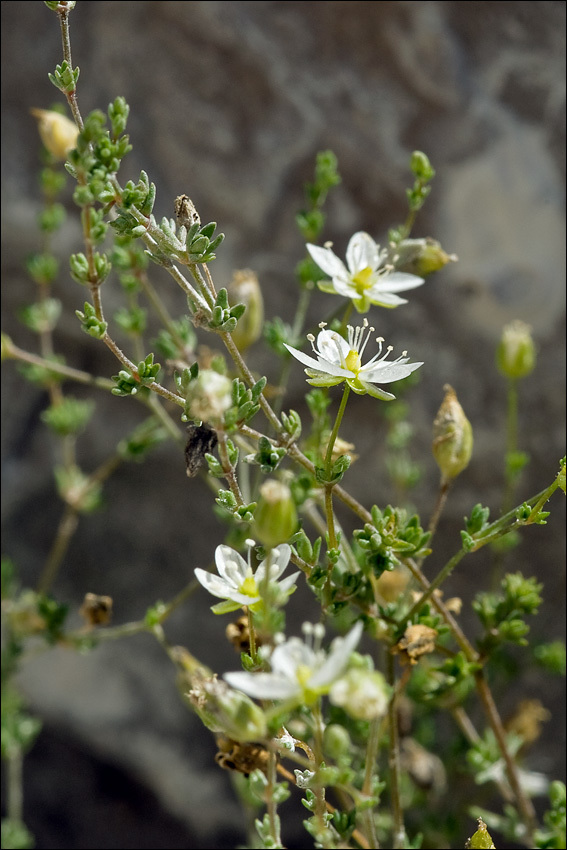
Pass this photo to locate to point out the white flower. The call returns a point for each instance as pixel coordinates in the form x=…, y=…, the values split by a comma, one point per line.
x=300, y=672
x=367, y=280
x=238, y=585
x=339, y=360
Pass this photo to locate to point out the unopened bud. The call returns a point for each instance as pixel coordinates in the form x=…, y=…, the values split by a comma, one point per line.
x=420, y=256
x=515, y=355
x=209, y=396
x=221, y=709
x=245, y=289
x=336, y=741
x=275, y=518
x=364, y=694
x=452, y=436
x=481, y=838
x=58, y=133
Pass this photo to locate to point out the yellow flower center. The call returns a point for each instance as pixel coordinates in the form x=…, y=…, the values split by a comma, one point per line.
x=363, y=279
x=249, y=586
x=303, y=674
x=352, y=361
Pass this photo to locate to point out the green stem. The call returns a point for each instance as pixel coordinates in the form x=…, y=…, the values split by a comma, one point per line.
x=399, y=838
x=437, y=581
x=335, y=431
x=328, y=467
x=66, y=529
x=367, y=785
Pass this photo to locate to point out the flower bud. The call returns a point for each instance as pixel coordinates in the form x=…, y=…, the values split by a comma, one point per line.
x=221, y=709
x=420, y=256
x=245, y=289
x=336, y=741
x=209, y=396
x=58, y=133
x=6, y=348
x=452, y=436
x=364, y=694
x=515, y=355
x=275, y=518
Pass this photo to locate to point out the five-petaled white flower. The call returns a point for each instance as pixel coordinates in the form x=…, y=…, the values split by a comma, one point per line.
x=239, y=586
x=367, y=280
x=339, y=360
x=301, y=671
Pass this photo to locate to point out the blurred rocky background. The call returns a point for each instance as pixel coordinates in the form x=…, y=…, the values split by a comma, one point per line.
x=230, y=102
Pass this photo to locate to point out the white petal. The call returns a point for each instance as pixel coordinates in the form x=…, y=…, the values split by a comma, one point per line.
x=319, y=365
x=397, y=282
x=288, y=582
x=231, y=565
x=263, y=685
x=288, y=656
x=362, y=253
x=214, y=584
x=338, y=658
x=385, y=373
x=327, y=261
x=303, y=358
x=384, y=299
x=329, y=344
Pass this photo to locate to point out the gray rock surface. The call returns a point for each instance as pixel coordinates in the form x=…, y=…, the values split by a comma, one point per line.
x=230, y=102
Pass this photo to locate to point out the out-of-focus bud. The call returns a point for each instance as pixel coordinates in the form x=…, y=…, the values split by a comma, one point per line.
x=420, y=256
x=364, y=694
x=452, y=436
x=341, y=447
x=336, y=741
x=244, y=288
x=6, y=347
x=221, y=709
x=209, y=396
x=275, y=518
x=58, y=133
x=516, y=355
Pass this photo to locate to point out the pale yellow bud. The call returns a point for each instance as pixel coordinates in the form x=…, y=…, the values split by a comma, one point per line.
x=420, y=256
x=452, y=436
x=515, y=355
x=275, y=518
x=58, y=133
x=245, y=289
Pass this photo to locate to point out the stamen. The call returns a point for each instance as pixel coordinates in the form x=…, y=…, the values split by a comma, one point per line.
x=368, y=335
x=310, y=337
x=318, y=635
x=336, y=337
x=322, y=325
x=328, y=244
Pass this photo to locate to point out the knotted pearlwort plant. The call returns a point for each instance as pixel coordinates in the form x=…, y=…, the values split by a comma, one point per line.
x=356, y=716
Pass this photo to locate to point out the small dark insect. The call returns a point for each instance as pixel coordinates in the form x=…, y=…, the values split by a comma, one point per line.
x=201, y=439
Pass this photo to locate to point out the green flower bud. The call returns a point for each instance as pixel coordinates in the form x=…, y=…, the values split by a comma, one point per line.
x=336, y=741
x=58, y=133
x=481, y=838
x=515, y=355
x=452, y=436
x=275, y=518
x=222, y=709
x=209, y=396
x=245, y=289
x=364, y=694
x=420, y=256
